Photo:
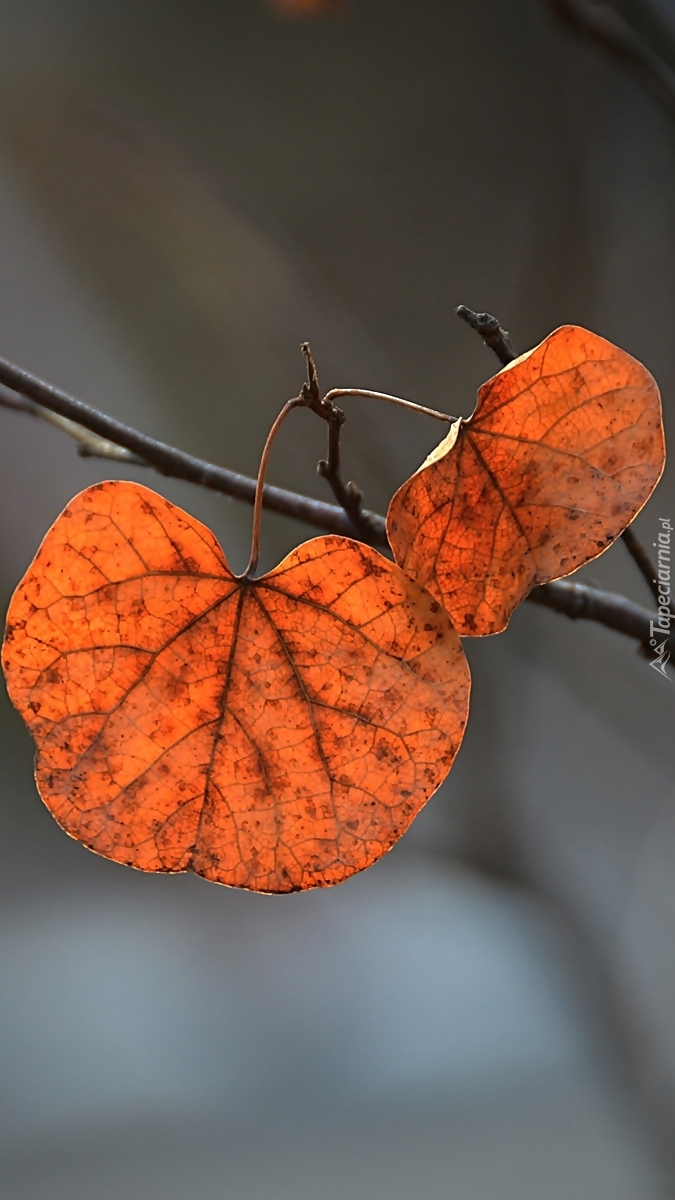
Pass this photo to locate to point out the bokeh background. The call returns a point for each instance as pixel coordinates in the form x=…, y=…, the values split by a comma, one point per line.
x=188, y=189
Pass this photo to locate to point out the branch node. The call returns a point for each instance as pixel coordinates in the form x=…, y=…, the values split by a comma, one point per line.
x=348, y=495
x=310, y=391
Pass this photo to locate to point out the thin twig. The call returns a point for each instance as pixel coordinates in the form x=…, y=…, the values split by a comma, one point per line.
x=612, y=31
x=576, y=600
x=643, y=562
x=641, y=559
x=18, y=403
x=491, y=332
x=312, y=390
x=89, y=445
x=348, y=495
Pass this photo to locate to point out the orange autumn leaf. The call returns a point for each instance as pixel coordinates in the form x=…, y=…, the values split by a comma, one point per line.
x=563, y=449
x=272, y=734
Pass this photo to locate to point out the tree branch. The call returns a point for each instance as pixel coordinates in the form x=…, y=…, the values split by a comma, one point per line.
x=575, y=600
x=579, y=601
x=176, y=464
x=348, y=495
x=89, y=445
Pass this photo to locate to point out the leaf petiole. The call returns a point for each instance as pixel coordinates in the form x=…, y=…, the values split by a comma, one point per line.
x=368, y=395
x=297, y=402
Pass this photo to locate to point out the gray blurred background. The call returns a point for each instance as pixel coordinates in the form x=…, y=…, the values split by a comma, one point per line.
x=188, y=189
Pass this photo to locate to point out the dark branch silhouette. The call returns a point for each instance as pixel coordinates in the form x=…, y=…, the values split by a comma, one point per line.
x=33, y=396
x=348, y=495
x=644, y=564
x=582, y=602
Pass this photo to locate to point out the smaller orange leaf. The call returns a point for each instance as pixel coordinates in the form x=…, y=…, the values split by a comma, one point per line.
x=274, y=734
x=563, y=449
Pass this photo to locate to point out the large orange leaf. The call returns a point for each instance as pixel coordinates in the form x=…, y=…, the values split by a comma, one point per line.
x=274, y=734
x=563, y=449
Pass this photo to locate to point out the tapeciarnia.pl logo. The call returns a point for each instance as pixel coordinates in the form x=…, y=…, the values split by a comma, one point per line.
x=660, y=628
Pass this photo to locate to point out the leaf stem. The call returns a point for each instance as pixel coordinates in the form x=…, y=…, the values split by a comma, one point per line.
x=368, y=395
x=297, y=402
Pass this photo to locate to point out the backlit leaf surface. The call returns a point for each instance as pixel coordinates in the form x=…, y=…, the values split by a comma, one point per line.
x=562, y=451
x=275, y=735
